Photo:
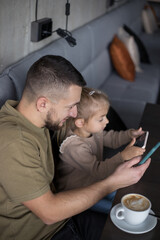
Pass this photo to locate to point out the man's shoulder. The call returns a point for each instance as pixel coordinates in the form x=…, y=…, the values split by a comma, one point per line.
x=9, y=132
x=14, y=134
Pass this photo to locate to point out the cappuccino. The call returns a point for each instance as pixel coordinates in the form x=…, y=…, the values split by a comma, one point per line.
x=136, y=202
x=134, y=209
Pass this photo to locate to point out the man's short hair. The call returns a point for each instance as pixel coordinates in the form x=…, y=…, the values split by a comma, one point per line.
x=50, y=76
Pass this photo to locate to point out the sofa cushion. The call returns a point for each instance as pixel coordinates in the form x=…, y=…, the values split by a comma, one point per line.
x=7, y=89
x=147, y=25
x=131, y=46
x=144, y=88
x=18, y=72
x=97, y=71
x=121, y=59
x=56, y=47
x=81, y=54
x=144, y=57
x=152, y=42
x=153, y=11
x=149, y=20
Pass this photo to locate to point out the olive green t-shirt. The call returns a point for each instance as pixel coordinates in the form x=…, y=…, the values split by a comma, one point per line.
x=26, y=172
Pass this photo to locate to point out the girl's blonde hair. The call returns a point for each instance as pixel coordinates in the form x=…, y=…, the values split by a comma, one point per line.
x=91, y=101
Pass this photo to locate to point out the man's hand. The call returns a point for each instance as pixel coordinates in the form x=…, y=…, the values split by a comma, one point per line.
x=51, y=208
x=127, y=174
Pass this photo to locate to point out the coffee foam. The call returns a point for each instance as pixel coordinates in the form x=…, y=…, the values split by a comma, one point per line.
x=136, y=202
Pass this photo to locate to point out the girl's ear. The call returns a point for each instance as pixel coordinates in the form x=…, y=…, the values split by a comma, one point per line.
x=79, y=122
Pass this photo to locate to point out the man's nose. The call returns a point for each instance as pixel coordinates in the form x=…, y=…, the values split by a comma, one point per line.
x=73, y=112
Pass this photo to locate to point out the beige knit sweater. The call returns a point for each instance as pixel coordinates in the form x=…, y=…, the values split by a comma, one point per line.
x=81, y=159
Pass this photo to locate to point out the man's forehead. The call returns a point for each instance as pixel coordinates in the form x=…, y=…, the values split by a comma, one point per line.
x=72, y=92
x=72, y=96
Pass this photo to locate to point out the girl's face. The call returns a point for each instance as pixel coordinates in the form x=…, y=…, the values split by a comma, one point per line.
x=98, y=122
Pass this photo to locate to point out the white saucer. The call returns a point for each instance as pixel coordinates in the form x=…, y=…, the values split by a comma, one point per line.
x=144, y=227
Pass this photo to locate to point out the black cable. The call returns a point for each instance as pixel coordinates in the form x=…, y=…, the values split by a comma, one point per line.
x=65, y=33
x=61, y=32
x=36, y=9
x=67, y=12
x=54, y=31
x=67, y=8
x=67, y=36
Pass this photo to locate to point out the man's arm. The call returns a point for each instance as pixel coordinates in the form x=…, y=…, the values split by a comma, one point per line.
x=51, y=208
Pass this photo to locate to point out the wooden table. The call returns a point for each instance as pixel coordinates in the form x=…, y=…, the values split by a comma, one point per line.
x=149, y=185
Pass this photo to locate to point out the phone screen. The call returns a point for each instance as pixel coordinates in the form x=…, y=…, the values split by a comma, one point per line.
x=141, y=141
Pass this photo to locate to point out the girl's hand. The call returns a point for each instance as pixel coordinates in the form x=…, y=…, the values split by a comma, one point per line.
x=136, y=133
x=132, y=151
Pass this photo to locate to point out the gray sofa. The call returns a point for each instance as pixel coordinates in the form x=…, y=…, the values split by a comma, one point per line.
x=91, y=57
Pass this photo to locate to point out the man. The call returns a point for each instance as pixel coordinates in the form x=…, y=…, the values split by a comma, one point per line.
x=30, y=208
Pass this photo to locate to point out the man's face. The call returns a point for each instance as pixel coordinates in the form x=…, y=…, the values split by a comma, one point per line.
x=65, y=108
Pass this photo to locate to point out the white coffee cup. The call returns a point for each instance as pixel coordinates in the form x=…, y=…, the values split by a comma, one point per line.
x=134, y=208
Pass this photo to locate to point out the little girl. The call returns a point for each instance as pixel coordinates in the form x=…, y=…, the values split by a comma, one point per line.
x=81, y=151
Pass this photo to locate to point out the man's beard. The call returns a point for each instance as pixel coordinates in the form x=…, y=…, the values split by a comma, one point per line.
x=54, y=126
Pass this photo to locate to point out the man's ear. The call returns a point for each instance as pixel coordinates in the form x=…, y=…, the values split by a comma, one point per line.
x=79, y=122
x=42, y=104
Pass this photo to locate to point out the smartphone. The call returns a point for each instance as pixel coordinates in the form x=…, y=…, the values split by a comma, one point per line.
x=149, y=154
x=141, y=141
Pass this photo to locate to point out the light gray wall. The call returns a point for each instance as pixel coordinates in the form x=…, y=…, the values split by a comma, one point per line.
x=16, y=17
